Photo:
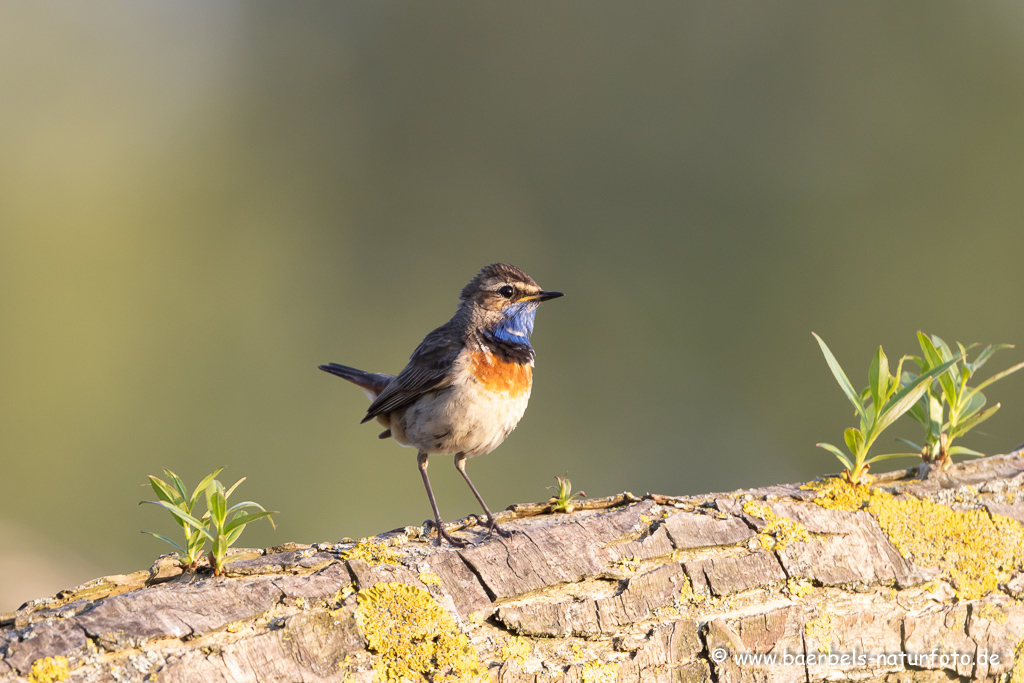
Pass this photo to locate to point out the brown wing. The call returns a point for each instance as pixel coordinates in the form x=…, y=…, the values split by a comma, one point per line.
x=430, y=368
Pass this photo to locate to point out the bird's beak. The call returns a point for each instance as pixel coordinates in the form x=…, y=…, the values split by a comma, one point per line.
x=544, y=296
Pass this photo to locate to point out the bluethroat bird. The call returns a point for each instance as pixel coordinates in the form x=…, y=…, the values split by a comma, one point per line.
x=467, y=384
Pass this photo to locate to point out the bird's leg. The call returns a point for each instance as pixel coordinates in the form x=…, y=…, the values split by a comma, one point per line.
x=460, y=465
x=441, y=533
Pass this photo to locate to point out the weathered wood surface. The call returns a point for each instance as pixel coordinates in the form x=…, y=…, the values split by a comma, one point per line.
x=631, y=589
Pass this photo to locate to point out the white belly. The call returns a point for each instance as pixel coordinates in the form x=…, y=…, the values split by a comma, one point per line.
x=464, y=418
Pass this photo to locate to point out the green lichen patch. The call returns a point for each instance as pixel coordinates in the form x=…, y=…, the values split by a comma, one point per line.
x=370, y=552
x=779, y=531
x=415, y=637
x=49, y=670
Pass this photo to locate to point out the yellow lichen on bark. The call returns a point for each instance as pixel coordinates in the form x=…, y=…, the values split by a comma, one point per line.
x=517, y=648
x=779, y=531
x=977, y=550
x=1017, y=673
x=820, y=628
x=415, y=637
x=430, y=578
x=49, y=670
x=799, y=588
x=599, y=672
x=838, y=494
x=370, y=552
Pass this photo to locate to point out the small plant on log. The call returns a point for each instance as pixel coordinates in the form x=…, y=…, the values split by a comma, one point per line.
x=950, y=407
x=222, y=531
x=220, y=524
x=174, y=496
x=562, y=500
x=878, y=406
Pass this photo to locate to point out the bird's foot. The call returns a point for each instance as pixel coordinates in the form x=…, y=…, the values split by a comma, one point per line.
x=442, y=534
x=492, y=528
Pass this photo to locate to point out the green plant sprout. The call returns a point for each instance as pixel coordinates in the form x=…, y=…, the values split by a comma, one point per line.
x=878, y=406
x=221, y=525
x=174, y=496
x=950, y=407
x=562, y=501
x=223, y=532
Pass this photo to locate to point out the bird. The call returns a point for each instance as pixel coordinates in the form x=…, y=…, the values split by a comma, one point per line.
x=466, y=385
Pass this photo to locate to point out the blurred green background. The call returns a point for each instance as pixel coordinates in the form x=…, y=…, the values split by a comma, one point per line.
x=200, y=203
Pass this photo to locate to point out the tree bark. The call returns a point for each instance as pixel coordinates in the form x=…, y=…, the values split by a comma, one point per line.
x=919, y=579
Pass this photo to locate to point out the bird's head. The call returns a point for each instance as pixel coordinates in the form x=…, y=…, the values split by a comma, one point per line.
x=504, y=300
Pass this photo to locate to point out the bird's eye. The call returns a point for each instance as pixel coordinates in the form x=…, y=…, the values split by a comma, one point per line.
x=506, y=291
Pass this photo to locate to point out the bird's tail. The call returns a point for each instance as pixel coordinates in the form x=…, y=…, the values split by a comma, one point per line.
x=372, y=383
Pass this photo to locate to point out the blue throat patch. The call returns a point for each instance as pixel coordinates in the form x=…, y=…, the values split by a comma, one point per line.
x=517, y=324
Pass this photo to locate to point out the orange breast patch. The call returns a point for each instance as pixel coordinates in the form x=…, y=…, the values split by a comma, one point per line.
x=499, y=376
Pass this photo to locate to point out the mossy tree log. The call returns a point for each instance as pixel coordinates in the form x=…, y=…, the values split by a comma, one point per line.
x=899, y=579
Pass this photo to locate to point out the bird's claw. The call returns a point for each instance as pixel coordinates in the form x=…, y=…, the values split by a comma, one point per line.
x=442, y=534
x=492, y=528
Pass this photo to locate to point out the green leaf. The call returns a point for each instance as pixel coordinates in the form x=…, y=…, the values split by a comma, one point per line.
x=890, y=456
x=164, y=491
x=836, y=452
x=987, y=353
x=218, y=509
x=241, y=506
x=953, y=376
x=995, y=378
x=844, y=382
x=854, y=440
x=935, y=410
x=184, y=516
x=195, y=544
x=973, y=421
x=937, y=355
x=164, y=504
x=906, y=397
x=220, y=548
x=972, y=405
x=202, y=487
x=212, y=488
x=878, y=377
x=910, y=443
x=233, y=487
x=917, y=412
x=166, y=540
x=960, y=450
x=931, y=355
x=241, y=520
x=943, y=348
x=178, y=483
